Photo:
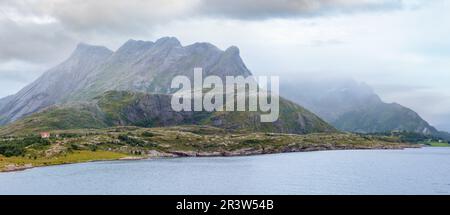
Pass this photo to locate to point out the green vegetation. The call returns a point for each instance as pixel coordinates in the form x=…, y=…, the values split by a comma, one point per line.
x=436, y=143
x=56, y=118
x=116, y=108
x=80, y=145
x=16, y=146
x=17, y=163
x=135, y=141
x=383, y=117
x=147, y=134
x=112, y=104
x=293, y=119
x=412, y=137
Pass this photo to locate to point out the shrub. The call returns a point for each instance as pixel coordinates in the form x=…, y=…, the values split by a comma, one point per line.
x=74, y=146
x=131, y=141
x=9, y=150
x=251, y=141
x=69, y=135
x=16, y=147
x=148, y=134
x=93, y=148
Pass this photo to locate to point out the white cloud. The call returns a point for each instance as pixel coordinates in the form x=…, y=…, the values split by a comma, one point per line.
x=257, y=9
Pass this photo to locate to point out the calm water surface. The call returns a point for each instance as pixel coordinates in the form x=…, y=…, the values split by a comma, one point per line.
x=410, y=171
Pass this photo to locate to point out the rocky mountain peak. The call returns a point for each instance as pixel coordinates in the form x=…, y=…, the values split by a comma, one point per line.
x=169, y=42
x=203, y=47
x=232, y=50
x=86, y=50
x=134, y=45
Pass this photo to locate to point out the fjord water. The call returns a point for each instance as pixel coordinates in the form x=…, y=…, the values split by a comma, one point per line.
x=409, y=171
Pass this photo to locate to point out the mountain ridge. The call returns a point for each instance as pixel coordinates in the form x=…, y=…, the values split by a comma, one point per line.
x=355, y=107
x=142, y=66
x=125, y=108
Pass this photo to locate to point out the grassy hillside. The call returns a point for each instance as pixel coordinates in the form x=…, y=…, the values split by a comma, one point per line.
x=57, y=117
x=122, y=108
x=383, y=118
x=293, y=119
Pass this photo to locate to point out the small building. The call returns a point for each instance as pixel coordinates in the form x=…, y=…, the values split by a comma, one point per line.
x=45, y=135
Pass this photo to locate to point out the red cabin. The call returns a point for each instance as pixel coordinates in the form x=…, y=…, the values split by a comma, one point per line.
x=45, y=135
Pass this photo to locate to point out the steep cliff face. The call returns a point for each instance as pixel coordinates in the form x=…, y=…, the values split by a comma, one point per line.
x=125, y=108
x=54, y=85
x=138, y=66
x=150, y=66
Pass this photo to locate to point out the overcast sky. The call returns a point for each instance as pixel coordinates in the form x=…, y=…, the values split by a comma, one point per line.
x=400, y=48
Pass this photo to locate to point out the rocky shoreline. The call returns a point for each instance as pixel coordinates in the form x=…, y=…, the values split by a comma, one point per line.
x=153, y=154
x=252, y=151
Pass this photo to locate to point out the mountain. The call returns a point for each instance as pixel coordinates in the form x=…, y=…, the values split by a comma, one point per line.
x=150, y=66
x=96, y=88
x=352, y=106
x=383, y=117
x=139, y=66
x=54, y=85
x=125, y=108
